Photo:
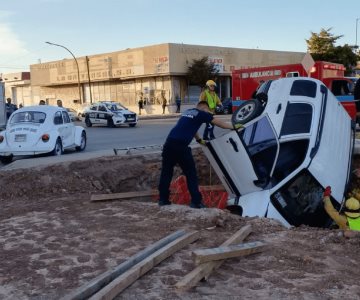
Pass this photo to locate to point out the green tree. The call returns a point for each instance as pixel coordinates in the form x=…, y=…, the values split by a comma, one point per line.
x=322, y=47
x=200, y=71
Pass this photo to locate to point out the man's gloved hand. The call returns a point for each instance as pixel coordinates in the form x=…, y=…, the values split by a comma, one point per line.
x=238, y=126
x=327, y=192
x=201, y=142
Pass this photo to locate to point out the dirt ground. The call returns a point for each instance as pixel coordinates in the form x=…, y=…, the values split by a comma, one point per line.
x=53, y=239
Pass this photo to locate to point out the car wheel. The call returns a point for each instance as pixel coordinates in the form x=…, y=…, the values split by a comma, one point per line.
x=58, y=149
x=88, y=122
x=132, y=125
x=247, y=111
x=6, y=159
x=110, y=123
x=82, y=142
x=235, y=209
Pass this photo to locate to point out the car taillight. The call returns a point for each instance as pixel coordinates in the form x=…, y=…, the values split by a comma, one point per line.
x=1, y=138
x=45, y=137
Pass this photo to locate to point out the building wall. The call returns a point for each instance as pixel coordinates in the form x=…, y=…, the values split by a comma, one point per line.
x=152, y=70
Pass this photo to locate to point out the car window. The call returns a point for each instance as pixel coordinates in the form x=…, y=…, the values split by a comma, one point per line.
x=340, y=88
x=300, y=201
x=28, y=116
x=58, y=118
x=93, y=107
x=297, y=119
x=291, y=156
x=261, y=144
x=303, y=88
x=66, y=117
x=102, y=108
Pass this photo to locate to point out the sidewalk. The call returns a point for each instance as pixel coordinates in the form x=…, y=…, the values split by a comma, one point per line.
x=161, y=116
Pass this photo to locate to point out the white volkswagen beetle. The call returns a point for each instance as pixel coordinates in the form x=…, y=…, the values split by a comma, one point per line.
x=40, y=129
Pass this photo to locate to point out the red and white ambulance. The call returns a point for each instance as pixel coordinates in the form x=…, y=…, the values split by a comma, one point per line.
x=247, y=81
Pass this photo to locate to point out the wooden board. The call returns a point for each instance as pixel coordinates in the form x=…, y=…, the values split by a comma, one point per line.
x=204, y=270
x=124, y=280
x=90, y=288
x=204, y=255
x=118, y=196
x=114, y=196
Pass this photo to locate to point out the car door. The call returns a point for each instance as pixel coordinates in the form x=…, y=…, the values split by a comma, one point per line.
x=102, y=114
x=68, y=131
x=92, y=113
x=244, y=160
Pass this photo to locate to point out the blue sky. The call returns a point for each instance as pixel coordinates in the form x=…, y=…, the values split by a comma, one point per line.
x=89, y=27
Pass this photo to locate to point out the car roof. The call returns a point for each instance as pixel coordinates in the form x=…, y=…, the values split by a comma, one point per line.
x=42, y=108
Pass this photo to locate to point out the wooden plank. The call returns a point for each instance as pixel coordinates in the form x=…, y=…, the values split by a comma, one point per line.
x=114, y=196
x=124, y=280
x=204, y=270
x=118, y=196
x=204, y=255
x=87, y=290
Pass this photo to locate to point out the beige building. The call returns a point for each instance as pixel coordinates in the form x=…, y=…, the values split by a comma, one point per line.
x=123, y=75
x=17, y=87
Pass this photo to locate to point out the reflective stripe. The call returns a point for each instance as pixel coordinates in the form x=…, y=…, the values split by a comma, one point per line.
x=354, y=224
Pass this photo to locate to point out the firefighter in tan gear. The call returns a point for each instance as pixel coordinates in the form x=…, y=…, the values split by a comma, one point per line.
x=351, y=217
x=213, y=100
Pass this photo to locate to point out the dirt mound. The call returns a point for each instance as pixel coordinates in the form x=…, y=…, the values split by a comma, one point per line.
x=54, y=239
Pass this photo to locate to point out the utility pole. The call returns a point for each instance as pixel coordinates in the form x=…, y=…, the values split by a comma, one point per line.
x=89, y=81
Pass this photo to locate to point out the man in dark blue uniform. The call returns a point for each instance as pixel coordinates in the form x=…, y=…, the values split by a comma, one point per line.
x=176, y=150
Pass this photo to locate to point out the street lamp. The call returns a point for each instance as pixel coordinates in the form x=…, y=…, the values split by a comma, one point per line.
x=357, y=19
x=77, y=65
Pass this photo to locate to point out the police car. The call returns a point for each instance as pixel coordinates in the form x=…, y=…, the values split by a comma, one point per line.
x=109, y=113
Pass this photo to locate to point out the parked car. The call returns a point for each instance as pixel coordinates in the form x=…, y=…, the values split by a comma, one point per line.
x=40, y=129
x=72, y=114
x=295, y=143
x=109, y=113
x=225, y=108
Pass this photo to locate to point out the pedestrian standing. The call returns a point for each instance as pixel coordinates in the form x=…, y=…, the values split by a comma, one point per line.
x=176, y=150
x=59, y=103
x=178, y=103
x=209, y=95
x=9, y=108
x=141, y=103
x=163, y=102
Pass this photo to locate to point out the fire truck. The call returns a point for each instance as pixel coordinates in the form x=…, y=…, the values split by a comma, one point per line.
x=247, y=81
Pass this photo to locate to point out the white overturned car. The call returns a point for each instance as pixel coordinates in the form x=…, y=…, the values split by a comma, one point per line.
x=297, y=140
x=40, y=129
x=109, y=113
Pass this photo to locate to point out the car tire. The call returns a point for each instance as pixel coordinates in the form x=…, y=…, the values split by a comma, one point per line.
x=247, y=111
x=110, y=123
x=132, y=125
x=58, y=149
x=6, y=159
x=88, y=122
x=82, y=142
x=235, y=209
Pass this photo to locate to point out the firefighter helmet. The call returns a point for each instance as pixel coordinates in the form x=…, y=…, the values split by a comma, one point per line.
x=210, y=83
x=352, y=206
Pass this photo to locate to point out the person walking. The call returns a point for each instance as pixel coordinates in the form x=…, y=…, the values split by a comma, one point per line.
x=209, y=95
x=350, y=219
x=176, y=150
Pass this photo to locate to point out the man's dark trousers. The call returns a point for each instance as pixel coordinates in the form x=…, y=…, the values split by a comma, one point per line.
x=175, y=152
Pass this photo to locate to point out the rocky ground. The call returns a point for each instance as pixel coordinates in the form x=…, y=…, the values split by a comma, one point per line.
x=53, y=239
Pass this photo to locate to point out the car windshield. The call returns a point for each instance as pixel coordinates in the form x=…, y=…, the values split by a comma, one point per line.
x=28, y=117
x=114, y=106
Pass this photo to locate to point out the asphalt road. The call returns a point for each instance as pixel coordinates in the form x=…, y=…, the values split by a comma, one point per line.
x=101, y=140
